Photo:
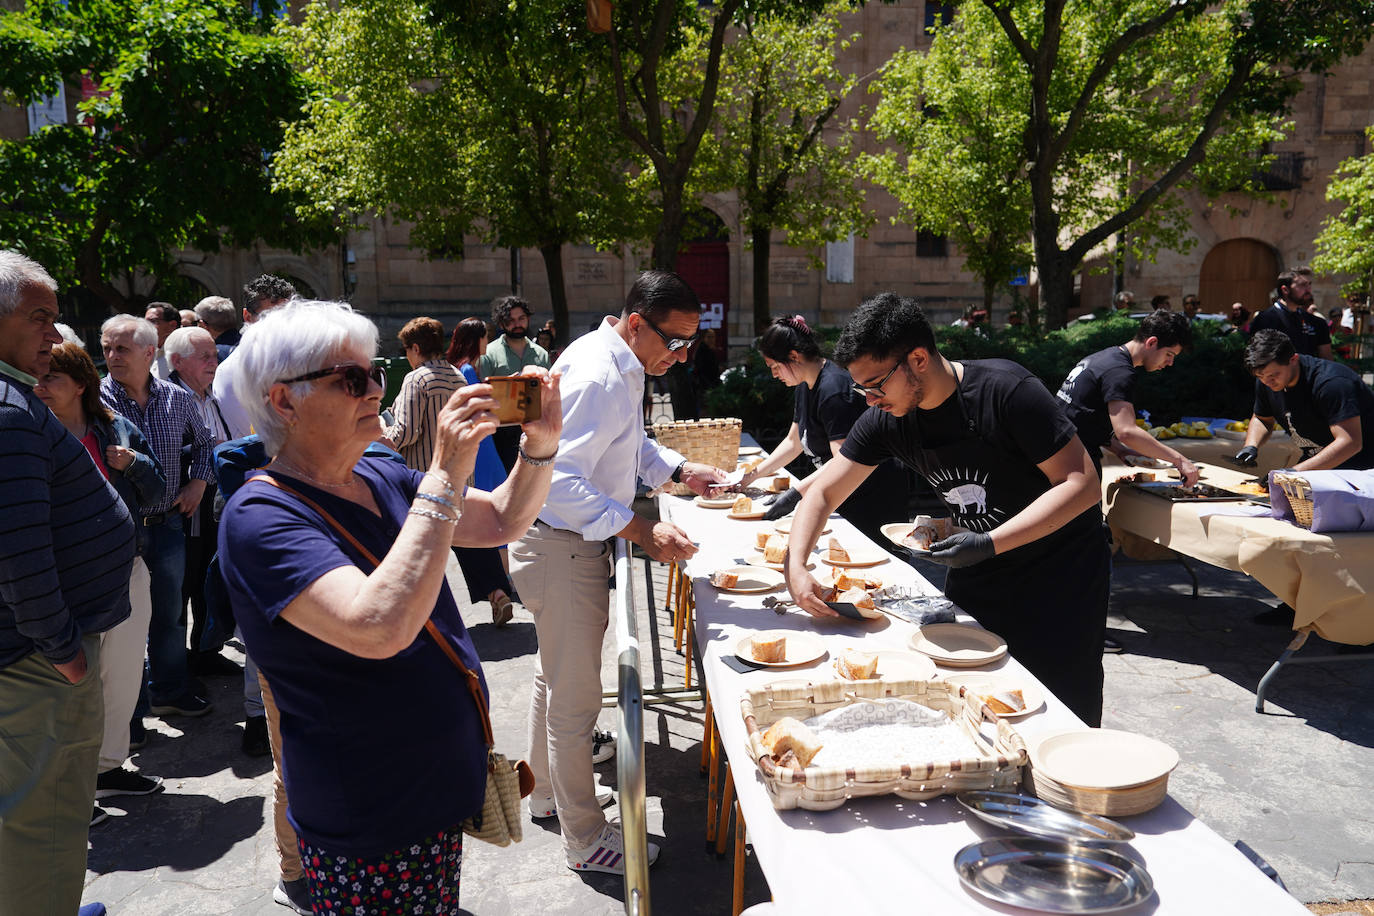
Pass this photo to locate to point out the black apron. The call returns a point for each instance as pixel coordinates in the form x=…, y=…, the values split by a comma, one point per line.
x=1048, y=599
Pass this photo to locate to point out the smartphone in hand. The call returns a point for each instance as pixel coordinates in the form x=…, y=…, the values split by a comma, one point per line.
x=518, y=398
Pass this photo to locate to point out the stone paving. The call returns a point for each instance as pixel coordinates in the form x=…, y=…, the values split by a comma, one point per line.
x=1291, y=783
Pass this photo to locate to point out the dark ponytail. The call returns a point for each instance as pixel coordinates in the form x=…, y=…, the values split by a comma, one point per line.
x=787, y=334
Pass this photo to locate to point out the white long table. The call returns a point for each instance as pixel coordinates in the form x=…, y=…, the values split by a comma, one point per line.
x=886, y=855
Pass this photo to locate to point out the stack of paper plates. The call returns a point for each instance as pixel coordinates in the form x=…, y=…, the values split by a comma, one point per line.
x=1102, y=771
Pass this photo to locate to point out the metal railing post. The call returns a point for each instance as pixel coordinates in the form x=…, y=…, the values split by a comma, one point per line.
x=630, y=744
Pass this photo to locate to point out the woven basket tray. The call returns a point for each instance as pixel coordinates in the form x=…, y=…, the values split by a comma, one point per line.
x=713, y=442
x=824, y=788
x=1299, y=493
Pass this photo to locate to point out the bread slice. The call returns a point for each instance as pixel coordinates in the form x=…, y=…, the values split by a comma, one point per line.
x=775, y=549
x=743, y=505
x=837, y=553
x=781, y=483
x=788, y=734
x=761, y=538
x=857, y=597
x=724, y=579
x=768, y=648
x=1005, y=702
x=857, y=666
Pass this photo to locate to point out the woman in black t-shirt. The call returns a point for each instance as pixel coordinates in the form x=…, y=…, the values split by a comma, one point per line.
x=825, y=409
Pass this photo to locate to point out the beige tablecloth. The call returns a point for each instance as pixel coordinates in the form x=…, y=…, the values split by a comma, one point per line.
x=1278, y=452
x=888, y=857
x=1328, y=579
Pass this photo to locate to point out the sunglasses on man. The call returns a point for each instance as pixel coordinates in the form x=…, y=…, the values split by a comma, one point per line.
x=672, y=343
x=355, y=378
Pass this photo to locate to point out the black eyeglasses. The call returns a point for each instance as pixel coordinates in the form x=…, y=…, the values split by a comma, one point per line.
x=355, y=378
x=877, y=390
x=672, y=343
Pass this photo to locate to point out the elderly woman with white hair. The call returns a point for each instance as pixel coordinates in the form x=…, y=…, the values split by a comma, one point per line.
x=335, y=564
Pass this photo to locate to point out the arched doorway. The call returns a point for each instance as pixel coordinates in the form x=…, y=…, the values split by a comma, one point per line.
x=1238, y=270
x=704, y=263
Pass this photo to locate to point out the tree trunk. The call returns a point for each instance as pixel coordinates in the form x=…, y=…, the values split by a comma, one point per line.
x=1056, y=288
x=668, y=238
x=91, y=269
x=558, y=292
x=989, y=288
x=762, y=237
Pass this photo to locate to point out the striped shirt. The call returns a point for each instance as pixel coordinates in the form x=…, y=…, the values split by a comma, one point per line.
x=66, y=540
x=424, y=392
x=169, y=419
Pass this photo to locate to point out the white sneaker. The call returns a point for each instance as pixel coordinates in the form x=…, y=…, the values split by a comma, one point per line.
x=544, y=808
x=606, y=854
x=603, y=745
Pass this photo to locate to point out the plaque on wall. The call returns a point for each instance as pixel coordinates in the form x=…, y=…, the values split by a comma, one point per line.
x=590, y=270
x=789, y=270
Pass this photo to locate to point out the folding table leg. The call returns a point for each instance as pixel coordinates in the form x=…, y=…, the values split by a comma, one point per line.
x=707, y=728
x=668, y=592
x=727, y=801
x=713, y=809
x=737, y=894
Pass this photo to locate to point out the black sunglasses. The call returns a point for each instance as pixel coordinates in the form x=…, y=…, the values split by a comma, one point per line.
x=355, y=378
x=877, y=390
x=672, y=343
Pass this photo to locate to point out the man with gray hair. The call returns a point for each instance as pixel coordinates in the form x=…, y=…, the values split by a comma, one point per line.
x=217, y=315
x=66, y=549
x=194, y=359
x=167, y=416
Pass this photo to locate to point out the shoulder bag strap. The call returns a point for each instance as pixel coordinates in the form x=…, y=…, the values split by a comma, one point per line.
x=474, y=683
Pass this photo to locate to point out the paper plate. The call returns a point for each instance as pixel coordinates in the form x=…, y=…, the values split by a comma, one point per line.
x=752, y=580
x=982, y=683
x=1103, y=758
x=802, y=649
x=746, y=516
x=714, y=503
x=905, y=666
x=865, y=556
x=750, y=450
x=756, y=559
x=958, y=645
x=895, y=531
x=784, y=526
x=1053, y=875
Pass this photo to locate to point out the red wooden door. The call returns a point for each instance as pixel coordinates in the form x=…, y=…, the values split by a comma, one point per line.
x=706, y=268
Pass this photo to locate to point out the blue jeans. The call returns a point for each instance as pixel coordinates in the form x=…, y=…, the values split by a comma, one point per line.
x=165, y=554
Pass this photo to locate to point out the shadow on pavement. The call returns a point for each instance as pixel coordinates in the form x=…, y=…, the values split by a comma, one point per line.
x=182, y=832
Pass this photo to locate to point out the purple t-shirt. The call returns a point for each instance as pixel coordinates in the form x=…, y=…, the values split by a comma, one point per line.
x=376, y=753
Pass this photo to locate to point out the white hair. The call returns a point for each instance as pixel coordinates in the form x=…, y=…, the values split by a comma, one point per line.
x=182, y=342
x=18, y=272
x=217, y=312
x=294, y=339
x=68, y=335
x=145, y=334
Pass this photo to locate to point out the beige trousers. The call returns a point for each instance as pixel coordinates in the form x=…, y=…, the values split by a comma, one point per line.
x=122, y=650
x=562, y=579
x=288, y=851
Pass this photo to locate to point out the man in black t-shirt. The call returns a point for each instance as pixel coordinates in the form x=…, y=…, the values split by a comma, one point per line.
x=1310, y=335
x=1099, y=392
x=1324, y=405
x=1027, y=559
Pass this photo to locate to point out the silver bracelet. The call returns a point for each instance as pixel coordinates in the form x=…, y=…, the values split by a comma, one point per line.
x=448, y=487
x=436, y=499
x=535, y=462
x=416, y=510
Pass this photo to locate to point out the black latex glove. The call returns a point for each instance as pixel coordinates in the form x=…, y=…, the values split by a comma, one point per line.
x=1247, y=457
x=963, y=549
x=782, y=504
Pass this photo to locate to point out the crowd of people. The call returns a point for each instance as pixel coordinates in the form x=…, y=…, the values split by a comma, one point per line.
x=240, y=475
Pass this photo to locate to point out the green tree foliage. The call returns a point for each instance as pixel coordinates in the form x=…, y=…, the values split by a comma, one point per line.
x=175, y=151
x=1120, y=106
x=1346, y=242
x=492, y=120
x=777, y=140
x=957, y=167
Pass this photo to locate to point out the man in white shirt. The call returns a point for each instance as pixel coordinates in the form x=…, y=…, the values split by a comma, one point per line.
x=562, y=564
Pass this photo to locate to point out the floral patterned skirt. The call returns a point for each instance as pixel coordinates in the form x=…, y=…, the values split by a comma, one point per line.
x=420, y=878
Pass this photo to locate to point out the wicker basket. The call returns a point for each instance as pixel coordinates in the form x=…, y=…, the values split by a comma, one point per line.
x=713, y=442
x=1299, y=493
x=824, y=788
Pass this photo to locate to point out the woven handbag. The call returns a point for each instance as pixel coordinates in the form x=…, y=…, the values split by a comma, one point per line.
x=498, y=820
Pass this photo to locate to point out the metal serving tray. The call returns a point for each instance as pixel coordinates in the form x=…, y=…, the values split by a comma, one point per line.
x=1198, y=493
x=1025, y=814
x=1053, y=876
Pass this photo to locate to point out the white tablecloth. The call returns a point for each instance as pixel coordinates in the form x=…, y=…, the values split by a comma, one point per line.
x=887, y=855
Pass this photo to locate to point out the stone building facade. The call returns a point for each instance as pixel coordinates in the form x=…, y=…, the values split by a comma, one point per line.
x=1236, y=256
